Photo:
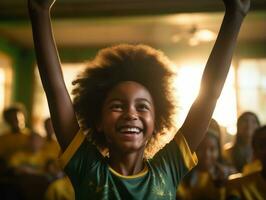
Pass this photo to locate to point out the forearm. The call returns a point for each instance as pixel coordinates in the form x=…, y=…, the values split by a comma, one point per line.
x=219, y=61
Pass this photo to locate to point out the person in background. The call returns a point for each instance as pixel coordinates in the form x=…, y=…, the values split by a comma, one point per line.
x=253, y=185
x=215, y=128
x=241, y=153
x=207, y=180
x=15, y=139
x=31, y=160
x=51, y=147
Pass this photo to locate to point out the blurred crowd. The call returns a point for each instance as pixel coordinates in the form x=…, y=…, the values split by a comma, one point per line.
x=29, y=166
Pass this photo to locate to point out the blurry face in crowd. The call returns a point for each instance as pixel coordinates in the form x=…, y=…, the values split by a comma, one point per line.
x=246, y=126
x=16, y=120
x=208, y=153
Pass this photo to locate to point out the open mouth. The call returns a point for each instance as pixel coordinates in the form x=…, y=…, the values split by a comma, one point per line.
x=130, y=130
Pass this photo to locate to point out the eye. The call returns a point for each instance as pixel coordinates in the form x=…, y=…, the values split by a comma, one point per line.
x=116, y=106
x=143, y=107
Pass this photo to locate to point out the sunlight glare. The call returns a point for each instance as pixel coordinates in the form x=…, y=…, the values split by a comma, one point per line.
x=188, y=83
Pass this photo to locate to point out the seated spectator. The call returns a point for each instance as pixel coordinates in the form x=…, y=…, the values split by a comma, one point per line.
x=32, y=159
x=251, y=186
x=15, y=139
x=207, y=180
x=240, y=153
x=51, y=147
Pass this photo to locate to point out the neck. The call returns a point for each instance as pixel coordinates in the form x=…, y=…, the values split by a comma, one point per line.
x=126, y=163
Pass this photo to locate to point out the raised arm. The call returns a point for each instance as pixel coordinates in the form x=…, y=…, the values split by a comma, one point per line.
x=215, y=73
x=60, y=105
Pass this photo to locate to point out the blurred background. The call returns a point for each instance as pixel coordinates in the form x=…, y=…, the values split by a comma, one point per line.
x=184, y=30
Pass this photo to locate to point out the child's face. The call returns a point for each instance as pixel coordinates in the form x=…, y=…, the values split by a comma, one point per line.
x=17, y=121
x=208, y=152
x=128, y=117
x=247, y=126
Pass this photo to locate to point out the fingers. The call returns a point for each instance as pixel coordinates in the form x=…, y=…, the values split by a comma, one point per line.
x=40, y=4
x=241, y=6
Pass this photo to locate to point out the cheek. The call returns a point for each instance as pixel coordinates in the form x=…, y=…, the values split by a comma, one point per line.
x=150, y=122
x=108, y=120
x=215, y=155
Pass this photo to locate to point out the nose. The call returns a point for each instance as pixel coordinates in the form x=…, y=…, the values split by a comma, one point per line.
x=130, y=114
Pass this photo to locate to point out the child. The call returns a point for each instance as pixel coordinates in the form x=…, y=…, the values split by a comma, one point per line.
x=15, y=139
x=30, y=160
x=252, y=186
x=240, y=153
x=123, y=101
x=50, y=147
x=207, y=180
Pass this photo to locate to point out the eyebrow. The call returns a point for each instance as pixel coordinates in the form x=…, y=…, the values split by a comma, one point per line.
x=138, y=99
x=143, y=99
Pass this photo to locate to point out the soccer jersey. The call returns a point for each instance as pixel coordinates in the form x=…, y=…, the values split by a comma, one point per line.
x=93, y=178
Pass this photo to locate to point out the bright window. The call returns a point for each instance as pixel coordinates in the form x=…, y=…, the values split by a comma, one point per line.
x=188, y=83
x=40, y=106
x=5, y=83
x=252, y=87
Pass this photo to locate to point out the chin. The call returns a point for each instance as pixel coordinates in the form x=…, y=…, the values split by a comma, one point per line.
x=129, y=148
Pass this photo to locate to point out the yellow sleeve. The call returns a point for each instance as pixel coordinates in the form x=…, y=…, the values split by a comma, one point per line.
x=72, y=148
x=190, y=158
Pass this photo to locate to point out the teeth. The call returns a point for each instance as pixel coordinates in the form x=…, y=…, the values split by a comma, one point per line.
x=131, y=130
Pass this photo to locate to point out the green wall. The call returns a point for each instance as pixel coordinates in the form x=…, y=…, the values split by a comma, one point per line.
x=22, y=68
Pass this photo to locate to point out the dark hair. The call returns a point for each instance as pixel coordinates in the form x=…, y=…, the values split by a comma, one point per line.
x=13, y=109
x=257, y=142
x=214, y=134
x=247, y=113
x=215, y=131
x=138, y=63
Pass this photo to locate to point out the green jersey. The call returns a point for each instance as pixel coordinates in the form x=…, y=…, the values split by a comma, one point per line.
x=93, y=178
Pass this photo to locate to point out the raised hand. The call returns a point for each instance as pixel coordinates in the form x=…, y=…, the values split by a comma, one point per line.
x=241, y=6
x=37, y=5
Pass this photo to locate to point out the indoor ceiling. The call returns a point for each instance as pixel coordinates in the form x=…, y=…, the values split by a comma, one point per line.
x=83, y=23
